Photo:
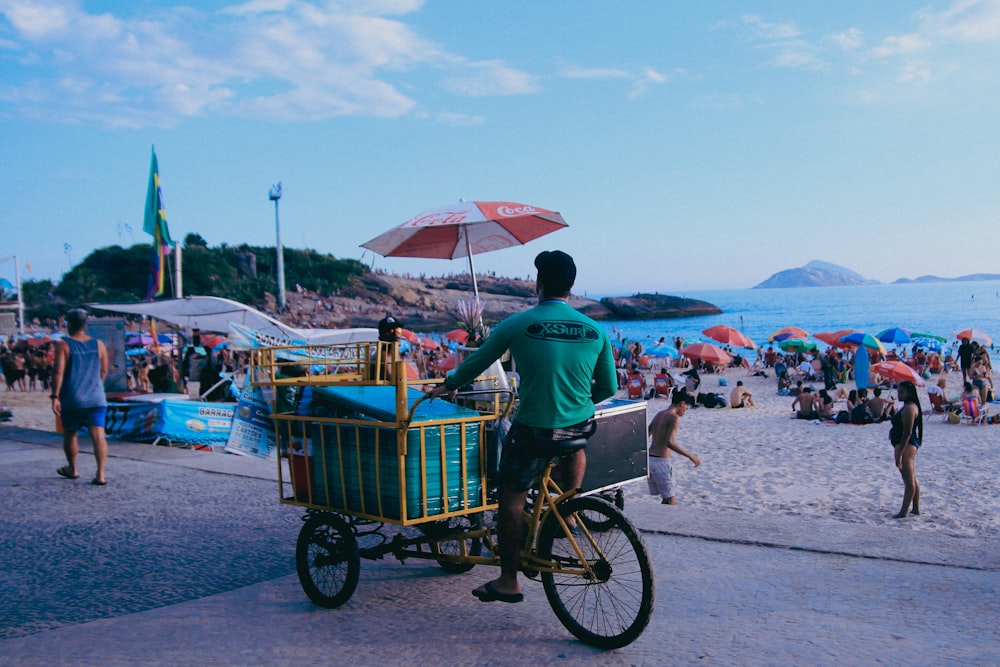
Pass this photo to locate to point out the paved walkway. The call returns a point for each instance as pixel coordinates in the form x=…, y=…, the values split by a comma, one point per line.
x=186, y=557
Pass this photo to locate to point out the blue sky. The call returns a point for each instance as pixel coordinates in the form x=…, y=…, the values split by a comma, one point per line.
x=689, y=145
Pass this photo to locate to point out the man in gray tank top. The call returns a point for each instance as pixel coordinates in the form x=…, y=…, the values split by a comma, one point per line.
x=78, y=393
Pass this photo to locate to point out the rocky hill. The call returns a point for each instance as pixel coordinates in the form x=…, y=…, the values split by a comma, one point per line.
x=815, y=274
x=430, y=304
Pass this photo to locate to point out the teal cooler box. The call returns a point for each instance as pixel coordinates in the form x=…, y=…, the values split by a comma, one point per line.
x=356, y=466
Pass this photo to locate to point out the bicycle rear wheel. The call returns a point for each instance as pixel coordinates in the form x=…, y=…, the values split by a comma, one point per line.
x=327, y=560
x=611, y=608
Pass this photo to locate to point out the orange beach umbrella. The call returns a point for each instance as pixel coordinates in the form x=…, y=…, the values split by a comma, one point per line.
x=898, y=371
x=728, y=336
x=706, y=352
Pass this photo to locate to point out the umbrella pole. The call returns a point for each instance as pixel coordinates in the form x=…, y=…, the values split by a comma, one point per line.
x=472, y=269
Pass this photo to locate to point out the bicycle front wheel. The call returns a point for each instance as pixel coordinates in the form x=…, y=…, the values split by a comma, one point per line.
x=327, y=560
x=612, y=606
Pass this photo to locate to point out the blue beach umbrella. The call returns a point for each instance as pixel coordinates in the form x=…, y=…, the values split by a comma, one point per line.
x=864, y=340
x=894, y=336
x=663, y=351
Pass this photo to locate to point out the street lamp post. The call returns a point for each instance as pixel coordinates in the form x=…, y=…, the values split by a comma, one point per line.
x=274, y=195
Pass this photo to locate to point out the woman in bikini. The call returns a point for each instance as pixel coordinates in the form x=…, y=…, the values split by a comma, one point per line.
x=906, y=435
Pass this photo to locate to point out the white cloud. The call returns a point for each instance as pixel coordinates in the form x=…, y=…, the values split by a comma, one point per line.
x=640, y=80
x=770, y=31
x=850, y=39
x=784, y=40
x=965, y=20
x=577, y=72
x=915, y=72
x=459, y=119
x=271, y=59
x=897, y=44
x=490, y=77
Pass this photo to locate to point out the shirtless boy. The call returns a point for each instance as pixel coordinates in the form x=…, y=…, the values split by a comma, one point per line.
x=663, y=434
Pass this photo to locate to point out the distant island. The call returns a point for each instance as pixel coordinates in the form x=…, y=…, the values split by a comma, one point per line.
x=825, y=274
x=815, y=274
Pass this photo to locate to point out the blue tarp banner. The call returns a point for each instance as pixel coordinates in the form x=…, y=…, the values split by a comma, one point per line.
x=188, y=422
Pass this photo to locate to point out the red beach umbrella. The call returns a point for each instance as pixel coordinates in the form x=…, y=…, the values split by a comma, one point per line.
x=832, y=338
x=465, y=229
x=898, y=371
x=728, y=336
x=410, y=336
x=430, y=344
x=460, y=336
x=706, y=352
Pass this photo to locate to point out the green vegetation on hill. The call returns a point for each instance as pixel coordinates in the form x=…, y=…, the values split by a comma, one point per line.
x=243, y=273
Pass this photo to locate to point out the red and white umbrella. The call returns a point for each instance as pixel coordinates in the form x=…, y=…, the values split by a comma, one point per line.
x=465, y=229
x=974, y=335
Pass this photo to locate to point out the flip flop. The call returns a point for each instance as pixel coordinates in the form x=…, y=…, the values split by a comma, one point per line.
x=490, y=594
x=64, y=472
x=97, y=483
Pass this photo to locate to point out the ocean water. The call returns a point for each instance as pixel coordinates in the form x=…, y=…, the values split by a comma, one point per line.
x=936, y=308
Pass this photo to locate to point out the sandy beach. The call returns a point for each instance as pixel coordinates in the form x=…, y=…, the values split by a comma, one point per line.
x=761, y=461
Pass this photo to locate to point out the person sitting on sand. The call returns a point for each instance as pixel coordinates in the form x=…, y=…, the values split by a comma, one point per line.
x=740, y=397
x=663, y=441
x=824, y=404
x=879, y=408
x=938, y=397
x=805, y=404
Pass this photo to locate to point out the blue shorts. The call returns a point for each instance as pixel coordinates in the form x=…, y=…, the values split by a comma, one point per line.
x=76, y=418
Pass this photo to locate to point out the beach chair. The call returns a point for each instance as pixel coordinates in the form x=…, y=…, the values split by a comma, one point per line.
x=973, y=412
x=661, y=383
x=634, y=385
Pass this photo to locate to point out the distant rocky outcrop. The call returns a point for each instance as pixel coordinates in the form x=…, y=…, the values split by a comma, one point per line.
x=938, y=279
x=431, y=304
x=656, y=307
x=815, y=274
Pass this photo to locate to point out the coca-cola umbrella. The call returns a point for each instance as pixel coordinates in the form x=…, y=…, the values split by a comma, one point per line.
x=465, y=229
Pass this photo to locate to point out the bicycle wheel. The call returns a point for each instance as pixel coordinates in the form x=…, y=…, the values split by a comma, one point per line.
x=327, y=560
x=611, y=608
x=457, y=525
x=613, y=496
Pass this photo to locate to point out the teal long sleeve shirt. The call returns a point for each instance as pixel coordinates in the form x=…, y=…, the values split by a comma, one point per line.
x=564, y=360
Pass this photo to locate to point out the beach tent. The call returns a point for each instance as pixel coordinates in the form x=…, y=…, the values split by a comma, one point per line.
x=214, y=314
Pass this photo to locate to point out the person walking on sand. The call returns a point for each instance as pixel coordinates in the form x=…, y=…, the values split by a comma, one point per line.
x=78, y=393
x=906, y=435
x=663, y=441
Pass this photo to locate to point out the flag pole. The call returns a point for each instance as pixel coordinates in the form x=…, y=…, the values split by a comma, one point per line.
x=178, y=283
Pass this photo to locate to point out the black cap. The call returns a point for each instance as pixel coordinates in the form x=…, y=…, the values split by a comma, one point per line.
x=556, y=270
x=387, y=328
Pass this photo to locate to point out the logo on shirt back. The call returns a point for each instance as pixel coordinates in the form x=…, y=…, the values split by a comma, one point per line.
x=563, y=331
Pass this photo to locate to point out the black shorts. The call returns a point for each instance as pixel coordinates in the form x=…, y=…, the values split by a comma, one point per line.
x=527, y=450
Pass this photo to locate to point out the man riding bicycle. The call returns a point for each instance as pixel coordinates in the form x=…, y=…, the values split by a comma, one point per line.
x=566, y=365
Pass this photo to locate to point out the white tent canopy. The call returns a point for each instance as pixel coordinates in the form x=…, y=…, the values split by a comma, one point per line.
x=214, y=314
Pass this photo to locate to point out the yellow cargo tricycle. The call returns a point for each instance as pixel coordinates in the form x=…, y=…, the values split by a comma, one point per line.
x=360, y=447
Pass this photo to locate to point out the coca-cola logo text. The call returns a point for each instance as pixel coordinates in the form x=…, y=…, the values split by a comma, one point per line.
x=508, y=211
x=438, y=218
